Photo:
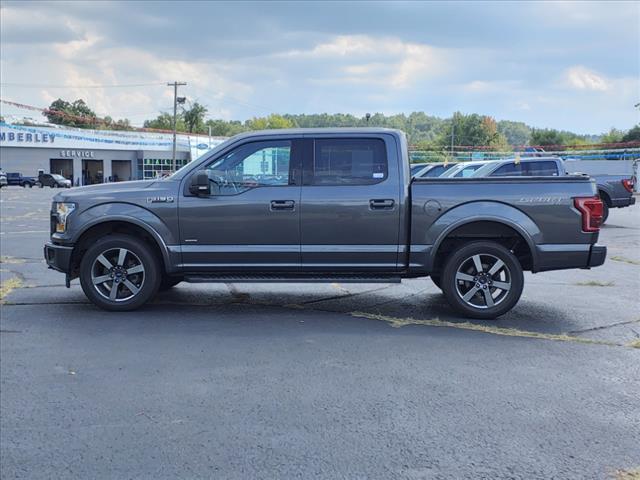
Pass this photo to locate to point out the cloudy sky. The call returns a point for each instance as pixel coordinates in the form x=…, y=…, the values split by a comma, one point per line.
x=568, y=65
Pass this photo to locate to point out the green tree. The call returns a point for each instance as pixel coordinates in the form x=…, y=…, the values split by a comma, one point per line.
x=76, y=114
x=633, y=135
x=194, y=117
x=164, y=121
x=273, y=121
x=471, y=130
x=612, y=136
x=546, y=136
x=516, y=133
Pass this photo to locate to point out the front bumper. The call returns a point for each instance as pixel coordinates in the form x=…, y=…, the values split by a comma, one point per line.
x=58, y=257
x=597, y=255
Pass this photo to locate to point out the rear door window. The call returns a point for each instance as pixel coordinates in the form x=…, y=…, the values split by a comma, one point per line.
x=509, y=170
x=349, y=161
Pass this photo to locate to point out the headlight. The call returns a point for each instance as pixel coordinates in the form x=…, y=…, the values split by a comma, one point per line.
x=63, y=210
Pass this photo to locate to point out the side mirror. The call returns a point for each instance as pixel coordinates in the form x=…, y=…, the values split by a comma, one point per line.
x=200, y=184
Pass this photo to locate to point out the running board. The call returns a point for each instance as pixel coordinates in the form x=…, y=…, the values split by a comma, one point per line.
x=279, y=278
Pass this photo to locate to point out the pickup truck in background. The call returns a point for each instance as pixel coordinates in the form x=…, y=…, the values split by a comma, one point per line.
x=17, y=179
x=616, y=191
x=322, y=205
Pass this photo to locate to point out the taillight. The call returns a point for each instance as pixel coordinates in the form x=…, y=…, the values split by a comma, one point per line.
x=628, y=184
x=591, y=209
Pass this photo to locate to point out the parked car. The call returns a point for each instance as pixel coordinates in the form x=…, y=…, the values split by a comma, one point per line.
x=463, y=169
x=53, y=180
x=345, y=210
x=16, y=178
x=616, y=191
x=416, y=167
x=3, y=179
x=433, y=170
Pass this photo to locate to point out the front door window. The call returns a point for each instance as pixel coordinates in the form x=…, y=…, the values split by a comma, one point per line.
x=257, y=164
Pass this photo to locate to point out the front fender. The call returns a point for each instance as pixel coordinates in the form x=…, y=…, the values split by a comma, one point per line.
x=484, y=211
x=123, y=212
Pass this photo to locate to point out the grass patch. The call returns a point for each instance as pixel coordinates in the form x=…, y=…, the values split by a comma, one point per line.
x=595, y=283
x=628, y=474
x=8, y=286
x=508, y=332
x=4, y=259
x=617, y=258
x=634, y=344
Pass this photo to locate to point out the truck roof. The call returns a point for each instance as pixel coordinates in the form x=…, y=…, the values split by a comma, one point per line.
x=323, y=131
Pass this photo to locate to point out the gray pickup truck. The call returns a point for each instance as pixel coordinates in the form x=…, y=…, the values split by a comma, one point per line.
x=318, y=205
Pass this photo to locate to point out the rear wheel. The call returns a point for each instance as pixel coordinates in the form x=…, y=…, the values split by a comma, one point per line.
x=482, y=280
x=119, y=273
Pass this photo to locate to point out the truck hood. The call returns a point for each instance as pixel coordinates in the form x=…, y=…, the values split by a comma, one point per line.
x=118, y=191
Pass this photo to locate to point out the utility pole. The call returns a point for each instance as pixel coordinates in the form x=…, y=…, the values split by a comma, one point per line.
x=453, y=130
x=175, y=86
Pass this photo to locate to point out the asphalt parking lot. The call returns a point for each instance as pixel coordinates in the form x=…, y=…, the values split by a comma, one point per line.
x=313, y=381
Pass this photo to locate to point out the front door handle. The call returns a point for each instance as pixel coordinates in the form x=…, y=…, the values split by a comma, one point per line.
x=381, y=204
x=282, y=204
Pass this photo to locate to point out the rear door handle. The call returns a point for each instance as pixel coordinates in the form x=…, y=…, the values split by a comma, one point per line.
x=282, y=204
x=381, y=204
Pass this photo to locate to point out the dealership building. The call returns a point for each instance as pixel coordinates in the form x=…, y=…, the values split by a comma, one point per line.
x=95, y=156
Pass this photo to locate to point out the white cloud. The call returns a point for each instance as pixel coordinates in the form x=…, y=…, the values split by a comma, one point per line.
x=375, y=60
x=581, y=78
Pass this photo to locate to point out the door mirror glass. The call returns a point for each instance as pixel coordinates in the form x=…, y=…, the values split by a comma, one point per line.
x=200, y=184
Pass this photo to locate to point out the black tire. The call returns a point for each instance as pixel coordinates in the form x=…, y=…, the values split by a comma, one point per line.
x=53, y=185
x=437, y=280
x=168, y=282
x=605, y=212
x=486, y=301
x=138, y=253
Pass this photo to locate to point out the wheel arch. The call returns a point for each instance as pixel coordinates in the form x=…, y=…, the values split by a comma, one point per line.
x=505, y=232
x=125, y=225
x=604, y=196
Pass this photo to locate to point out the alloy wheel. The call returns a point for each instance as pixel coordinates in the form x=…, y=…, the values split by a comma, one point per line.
x=483, y=281
x=117, y=274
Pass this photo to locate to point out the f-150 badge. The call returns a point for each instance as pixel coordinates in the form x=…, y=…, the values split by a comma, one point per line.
x=159, y=199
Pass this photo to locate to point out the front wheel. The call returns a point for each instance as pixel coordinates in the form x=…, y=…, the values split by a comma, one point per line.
x=119, y=273
x=482, y=280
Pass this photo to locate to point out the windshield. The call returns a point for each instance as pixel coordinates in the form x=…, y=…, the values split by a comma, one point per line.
x=484, y=170
x=187, y=166
x=58, y=177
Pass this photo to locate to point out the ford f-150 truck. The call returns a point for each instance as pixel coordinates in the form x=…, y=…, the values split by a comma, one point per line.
x=318, y=205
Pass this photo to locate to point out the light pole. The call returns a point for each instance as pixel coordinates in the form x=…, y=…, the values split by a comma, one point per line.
x=175, y=86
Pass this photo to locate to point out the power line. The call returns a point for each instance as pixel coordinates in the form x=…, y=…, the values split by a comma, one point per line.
x=35, y=85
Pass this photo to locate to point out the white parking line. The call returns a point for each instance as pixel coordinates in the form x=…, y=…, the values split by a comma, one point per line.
x=24, y=231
